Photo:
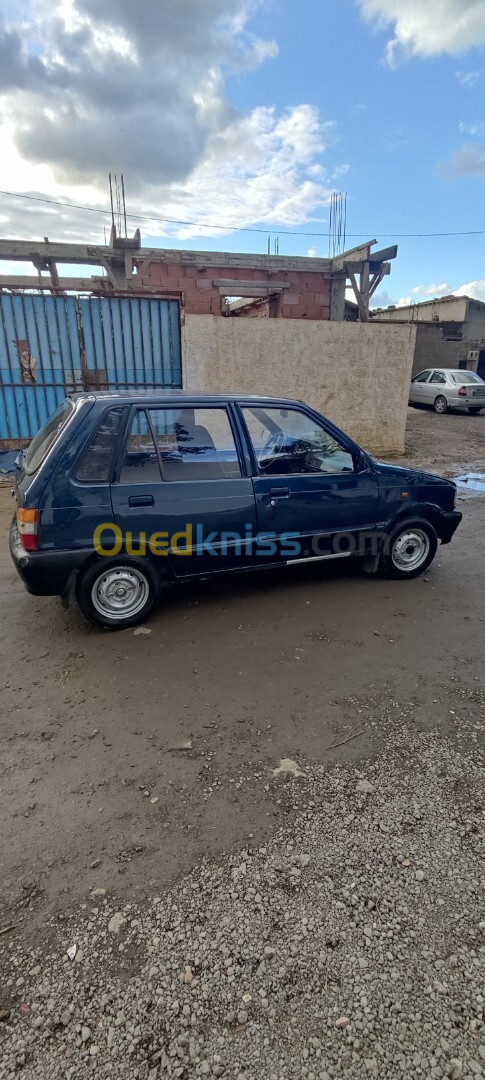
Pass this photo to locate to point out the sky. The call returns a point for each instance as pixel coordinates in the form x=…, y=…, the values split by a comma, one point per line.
x=237, y=119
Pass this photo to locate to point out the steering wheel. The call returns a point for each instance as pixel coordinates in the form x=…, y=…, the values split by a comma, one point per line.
x=272, y=447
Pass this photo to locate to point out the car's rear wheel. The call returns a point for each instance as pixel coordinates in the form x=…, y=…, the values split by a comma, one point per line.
x=119, y=592
x=409, y=549
x=474, y=410
x=440, y=405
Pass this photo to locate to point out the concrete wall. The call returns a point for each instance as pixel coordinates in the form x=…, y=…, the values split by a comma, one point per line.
x=453, y=310
x=475, y=323
x=433, y=350
x=357, y=374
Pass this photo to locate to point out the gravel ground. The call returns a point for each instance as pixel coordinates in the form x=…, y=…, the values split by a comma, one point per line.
x=350, y=945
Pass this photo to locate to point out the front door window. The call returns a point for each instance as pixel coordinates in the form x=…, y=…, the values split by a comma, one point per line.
x=287, y=442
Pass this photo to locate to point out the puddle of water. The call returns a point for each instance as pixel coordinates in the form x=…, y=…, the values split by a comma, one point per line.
x=472, y=482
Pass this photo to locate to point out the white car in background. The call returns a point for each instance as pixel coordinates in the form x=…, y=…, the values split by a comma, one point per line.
x=443, y=389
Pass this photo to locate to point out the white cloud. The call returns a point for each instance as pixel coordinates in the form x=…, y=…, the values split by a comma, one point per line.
x=428, y=28
x=476, y=289
x=312, y=252
x=468, y=79
x=139, y=88
x=469, y=160
x=420, y=293
x=473, y=129
x=431, y=290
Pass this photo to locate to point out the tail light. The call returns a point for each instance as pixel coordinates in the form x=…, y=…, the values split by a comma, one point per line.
x=462, y=391
x=27, y=522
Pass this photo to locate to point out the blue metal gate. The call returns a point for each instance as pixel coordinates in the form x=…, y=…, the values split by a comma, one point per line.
x=53, y=345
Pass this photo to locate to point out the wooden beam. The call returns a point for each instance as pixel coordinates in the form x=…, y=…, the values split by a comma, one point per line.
x=252, y=291
x=90, y=255
x=358, y=254
x=235, y=284
x=363, y=311
x=377, y=278
x=384, y=254
x=337, y=297
x=53, y=272
x=364, y=290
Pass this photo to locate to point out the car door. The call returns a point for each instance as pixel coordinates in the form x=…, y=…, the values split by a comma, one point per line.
x=309, y=481
x=182, y=489
x=417, y=384
x=435, y=386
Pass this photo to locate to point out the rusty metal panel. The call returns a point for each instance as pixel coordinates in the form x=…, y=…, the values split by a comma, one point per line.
x=131, y=343
x=53, y=345
x=39, y=360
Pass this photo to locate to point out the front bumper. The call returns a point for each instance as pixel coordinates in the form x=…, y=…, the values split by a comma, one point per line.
x=45, y=573
x=448, y=524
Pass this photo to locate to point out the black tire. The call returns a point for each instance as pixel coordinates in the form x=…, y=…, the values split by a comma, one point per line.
x=397, y=559
x=440, y=405
x=108, y=584
x=474, y=410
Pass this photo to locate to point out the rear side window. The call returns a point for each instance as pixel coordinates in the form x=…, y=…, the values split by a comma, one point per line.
x=140, y=461
x=47, y=436
x=195, y=444
x=190, y=444
x=466, y=377
x=95, y=465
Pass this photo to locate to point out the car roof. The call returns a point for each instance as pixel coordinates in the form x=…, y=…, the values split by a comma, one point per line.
x=171, y=395
x=451, y=371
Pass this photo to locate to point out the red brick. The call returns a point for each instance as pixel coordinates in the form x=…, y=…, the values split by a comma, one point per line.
x=312, y=280
x=314, y=311
x=293, y=312
x=192, y=296
x=204, y=283
x=157, y=272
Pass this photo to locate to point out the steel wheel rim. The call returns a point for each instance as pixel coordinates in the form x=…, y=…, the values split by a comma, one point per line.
x=410, y=550
x=440, y=405
x=120, y=593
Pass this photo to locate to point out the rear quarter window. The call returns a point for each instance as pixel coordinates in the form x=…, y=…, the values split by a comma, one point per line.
x=47, y=436
x=95, y=464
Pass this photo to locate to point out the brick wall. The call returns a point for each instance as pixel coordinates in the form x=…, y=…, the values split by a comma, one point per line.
x=308, y=296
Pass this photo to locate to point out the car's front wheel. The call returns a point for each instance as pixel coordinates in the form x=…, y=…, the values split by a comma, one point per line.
x=441, y=405
x=117, y=592
x=409, y=549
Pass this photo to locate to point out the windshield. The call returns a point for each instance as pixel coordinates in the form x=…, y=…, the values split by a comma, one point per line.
x=466, y=377
x=47, y=436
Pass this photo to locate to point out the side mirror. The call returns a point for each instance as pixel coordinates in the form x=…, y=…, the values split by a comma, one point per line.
x=360, y=461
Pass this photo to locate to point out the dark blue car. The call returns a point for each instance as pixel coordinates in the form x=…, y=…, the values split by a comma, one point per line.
x=119, y=494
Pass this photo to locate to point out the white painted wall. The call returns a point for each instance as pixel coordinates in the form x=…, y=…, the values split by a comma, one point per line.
x=357, y=374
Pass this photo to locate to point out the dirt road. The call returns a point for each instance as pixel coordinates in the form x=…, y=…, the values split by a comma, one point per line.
x=233, y=677
x=125, y=759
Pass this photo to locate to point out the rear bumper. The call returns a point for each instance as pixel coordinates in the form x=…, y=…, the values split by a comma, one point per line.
x=448, y=524
x=466, y=403
x=45, y=573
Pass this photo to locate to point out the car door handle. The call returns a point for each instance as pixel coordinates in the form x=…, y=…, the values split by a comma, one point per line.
x=279, y=493
x=140, y=500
